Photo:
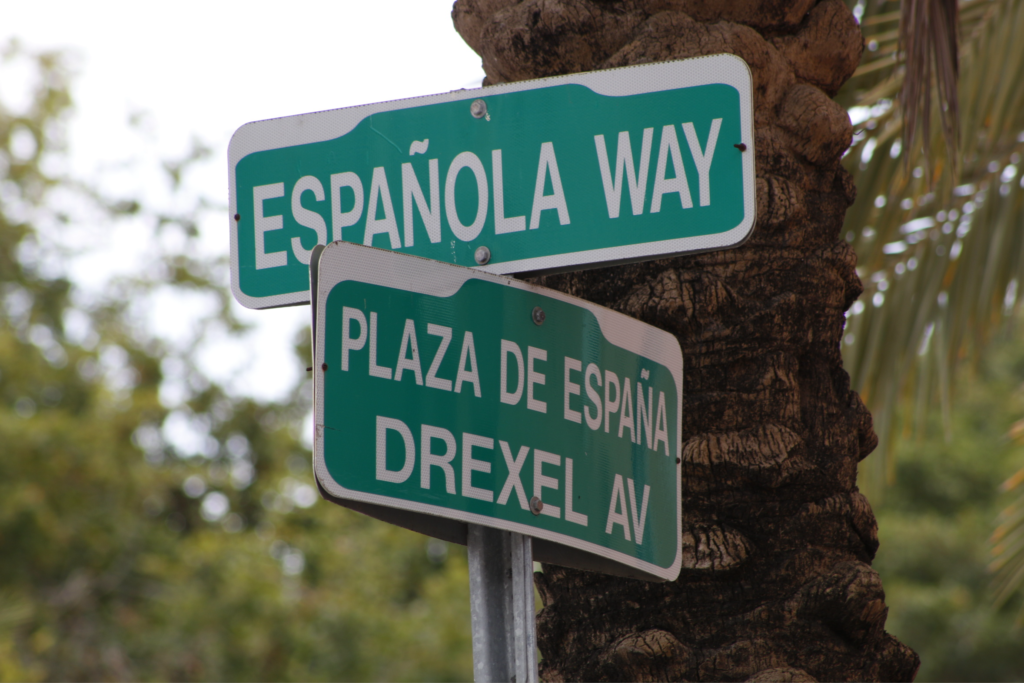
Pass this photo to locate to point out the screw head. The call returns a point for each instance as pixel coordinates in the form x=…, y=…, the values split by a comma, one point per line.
x=324, y=367
x=478, y=109
x=536, y=505
x=482, y=256
x=238, y=217
x=538, y=315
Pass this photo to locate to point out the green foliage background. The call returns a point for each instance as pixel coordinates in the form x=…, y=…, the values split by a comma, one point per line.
x=935, y=524
x=111, y=566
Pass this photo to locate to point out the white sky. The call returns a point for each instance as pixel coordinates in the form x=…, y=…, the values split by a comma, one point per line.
x=201, y=70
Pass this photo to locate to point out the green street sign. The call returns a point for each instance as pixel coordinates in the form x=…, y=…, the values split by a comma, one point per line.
x=445, y=396
x=540, y=176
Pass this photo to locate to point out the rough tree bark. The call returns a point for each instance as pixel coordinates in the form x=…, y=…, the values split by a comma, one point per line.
x=776, y=581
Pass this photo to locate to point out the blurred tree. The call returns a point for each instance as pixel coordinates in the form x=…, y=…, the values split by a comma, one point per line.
x=153, y=526
x=1008, y=538
x=935, y=523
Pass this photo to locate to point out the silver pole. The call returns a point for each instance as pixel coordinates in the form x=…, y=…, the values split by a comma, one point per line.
x=501, y=606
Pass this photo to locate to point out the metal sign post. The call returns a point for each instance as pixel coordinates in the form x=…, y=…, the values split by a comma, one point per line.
x=501, y=606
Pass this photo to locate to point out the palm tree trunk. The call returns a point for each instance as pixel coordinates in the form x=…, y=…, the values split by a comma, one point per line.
x=776, y=581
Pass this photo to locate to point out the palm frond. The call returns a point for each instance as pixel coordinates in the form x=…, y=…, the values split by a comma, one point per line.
x=1007, y=540
x=928, y=37
x=938, y=236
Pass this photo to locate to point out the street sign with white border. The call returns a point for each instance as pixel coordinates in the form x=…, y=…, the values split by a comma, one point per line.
x=549, y=175
x=445, y=396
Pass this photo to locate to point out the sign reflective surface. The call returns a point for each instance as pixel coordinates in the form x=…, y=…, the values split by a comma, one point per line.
x=447, y=392
x=540, y=176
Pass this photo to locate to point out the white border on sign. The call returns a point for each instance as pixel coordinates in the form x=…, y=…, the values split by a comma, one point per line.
x=346, y=261
x=289, y=131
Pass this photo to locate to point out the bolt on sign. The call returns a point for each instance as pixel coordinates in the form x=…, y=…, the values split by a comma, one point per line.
x=541, y=176
x=446, y=396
